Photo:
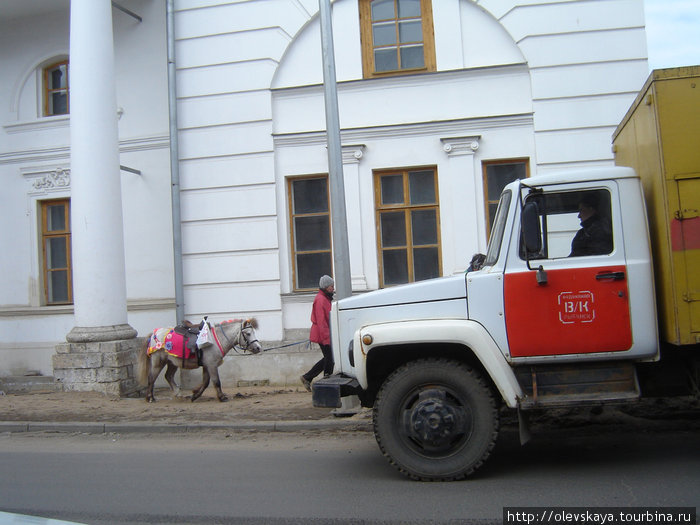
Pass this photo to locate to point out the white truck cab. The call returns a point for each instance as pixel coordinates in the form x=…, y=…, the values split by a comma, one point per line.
x=560, y=314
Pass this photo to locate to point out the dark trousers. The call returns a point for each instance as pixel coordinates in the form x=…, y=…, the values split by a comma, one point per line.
x=324, y=365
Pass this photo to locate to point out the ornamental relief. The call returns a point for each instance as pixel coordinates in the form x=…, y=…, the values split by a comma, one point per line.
x=58, y=179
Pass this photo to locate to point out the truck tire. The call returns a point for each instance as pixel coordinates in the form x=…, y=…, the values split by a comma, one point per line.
x=435, y=420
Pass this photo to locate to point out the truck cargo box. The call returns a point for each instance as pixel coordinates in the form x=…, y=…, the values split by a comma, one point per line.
x=660, y=138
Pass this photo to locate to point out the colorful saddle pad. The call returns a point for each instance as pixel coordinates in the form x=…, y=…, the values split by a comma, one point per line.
x=169, y=340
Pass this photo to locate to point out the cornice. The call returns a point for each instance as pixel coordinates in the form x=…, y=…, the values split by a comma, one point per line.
x=36, y=155
x=157, y=303
x=63, y=152
x=403, y=81
x=458, y=128
x=42, y=124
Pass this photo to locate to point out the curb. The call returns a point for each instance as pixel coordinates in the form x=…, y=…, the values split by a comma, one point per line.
x=175, y=428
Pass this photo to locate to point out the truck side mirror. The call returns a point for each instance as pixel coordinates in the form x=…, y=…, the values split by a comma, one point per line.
x=530, y=227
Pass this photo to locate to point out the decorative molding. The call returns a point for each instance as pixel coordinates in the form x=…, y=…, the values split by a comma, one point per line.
x=352, y=154
x=144, y=143
x=48, y=180
x=460, y=145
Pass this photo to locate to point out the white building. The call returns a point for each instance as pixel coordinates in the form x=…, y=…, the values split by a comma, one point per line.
x=441, y=103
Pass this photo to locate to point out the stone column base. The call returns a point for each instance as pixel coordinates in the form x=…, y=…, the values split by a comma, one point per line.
x=109, y=367
x=92, y=334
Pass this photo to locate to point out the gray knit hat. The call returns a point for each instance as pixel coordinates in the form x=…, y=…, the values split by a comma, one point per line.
x=325, y=282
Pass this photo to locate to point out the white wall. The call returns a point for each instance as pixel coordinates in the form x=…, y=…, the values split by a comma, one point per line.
x=34, y=148
x=226, y=56
x=400, y=122
x=517, y=78
x=588, y=57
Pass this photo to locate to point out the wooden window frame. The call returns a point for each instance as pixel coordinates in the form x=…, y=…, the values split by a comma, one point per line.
x=407, y=207
x=46, y=235
x=293, y=215
x=367, y=42
x=48, y=90
x=487, y=202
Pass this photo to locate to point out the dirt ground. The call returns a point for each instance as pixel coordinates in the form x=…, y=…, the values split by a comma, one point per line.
x=269, y=403
x=247, y=403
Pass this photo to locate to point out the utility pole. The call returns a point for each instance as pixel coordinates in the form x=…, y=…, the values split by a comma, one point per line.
x=339, y=226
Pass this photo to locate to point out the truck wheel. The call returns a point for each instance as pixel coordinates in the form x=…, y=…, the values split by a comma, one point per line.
x=435, y=420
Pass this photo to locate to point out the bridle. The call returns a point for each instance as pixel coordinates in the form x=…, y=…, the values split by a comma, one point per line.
x=243, y=342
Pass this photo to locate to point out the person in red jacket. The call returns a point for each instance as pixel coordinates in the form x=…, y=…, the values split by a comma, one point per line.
x=320, y=330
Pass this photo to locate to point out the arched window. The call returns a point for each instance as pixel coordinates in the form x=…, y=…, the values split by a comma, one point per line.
x=55, y=89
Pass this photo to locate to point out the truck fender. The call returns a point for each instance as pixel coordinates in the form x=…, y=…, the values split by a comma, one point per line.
x=458, y=331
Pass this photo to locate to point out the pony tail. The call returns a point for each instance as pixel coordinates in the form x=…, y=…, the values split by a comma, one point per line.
x=144, y=362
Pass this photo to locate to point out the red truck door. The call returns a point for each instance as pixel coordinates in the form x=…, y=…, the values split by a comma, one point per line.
x=579, y=304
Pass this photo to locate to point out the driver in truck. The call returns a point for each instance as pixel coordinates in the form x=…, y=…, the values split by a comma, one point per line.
x=595, y=235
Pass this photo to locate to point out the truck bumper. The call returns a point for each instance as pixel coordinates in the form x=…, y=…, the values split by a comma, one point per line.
x=328, y=391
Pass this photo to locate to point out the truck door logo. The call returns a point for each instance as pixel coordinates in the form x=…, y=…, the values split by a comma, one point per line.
x=576, y=307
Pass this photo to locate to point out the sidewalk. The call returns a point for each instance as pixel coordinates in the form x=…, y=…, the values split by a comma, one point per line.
x=282, y=409
x=255, y=408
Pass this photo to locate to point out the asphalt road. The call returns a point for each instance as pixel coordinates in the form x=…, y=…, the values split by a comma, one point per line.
x=334, y=477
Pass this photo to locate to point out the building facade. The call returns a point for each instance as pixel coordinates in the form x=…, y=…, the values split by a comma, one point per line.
x=441, y=103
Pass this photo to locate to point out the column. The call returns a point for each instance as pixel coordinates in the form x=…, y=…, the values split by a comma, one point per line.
x=87, y=362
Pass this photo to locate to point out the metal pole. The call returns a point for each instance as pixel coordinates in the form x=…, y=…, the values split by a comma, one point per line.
x=341, y=252
x=125, y=10
x=174, y=166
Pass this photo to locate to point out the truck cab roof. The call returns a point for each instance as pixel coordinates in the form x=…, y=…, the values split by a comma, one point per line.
x=581, y=175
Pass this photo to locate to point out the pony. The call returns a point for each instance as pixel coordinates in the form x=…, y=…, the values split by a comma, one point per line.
x=226, y=335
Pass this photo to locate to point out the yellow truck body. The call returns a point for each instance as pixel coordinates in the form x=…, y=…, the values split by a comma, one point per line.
x=660, y=138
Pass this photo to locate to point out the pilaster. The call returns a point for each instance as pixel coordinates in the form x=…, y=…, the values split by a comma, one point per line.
x=352, y=155
x=465, y=202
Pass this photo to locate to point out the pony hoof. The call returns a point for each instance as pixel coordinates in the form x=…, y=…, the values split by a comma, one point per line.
x=223, y=399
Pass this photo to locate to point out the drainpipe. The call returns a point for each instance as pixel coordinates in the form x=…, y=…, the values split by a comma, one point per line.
x=174, y=165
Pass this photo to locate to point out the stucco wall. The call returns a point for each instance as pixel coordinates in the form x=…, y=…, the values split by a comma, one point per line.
x=35, y=166
x=518, y=78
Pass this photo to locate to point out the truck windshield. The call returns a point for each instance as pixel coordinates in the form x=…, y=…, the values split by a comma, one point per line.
x=499, y=226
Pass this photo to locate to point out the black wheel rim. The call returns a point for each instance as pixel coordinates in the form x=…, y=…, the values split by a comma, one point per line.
x=435, y=421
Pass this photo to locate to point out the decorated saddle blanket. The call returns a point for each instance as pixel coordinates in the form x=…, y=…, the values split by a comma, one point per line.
x=172, y=342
